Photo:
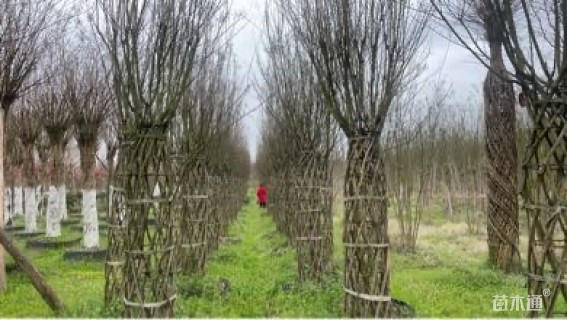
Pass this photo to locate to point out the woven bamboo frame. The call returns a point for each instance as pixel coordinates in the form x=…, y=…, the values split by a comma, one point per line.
x=312, y=188
x=502, y=172
x=214, y=219
x=367, y=268
x=225, y=194
x=114, y=262
x=194, y=221
x=545, y=201
x=150, y=255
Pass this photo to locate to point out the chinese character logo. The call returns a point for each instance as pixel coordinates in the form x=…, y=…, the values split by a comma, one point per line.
x=500, y=303
x=534, y=303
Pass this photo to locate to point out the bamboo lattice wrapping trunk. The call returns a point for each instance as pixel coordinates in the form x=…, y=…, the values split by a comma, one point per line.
x=367, y=270
x=214, y=219
x=544, y=192
x=502, y=168
x=313, y=210
x=150, y=261
x=194, y=221
x=114, y=261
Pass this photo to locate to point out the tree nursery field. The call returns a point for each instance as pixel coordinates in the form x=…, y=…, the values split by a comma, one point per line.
x=447, y=276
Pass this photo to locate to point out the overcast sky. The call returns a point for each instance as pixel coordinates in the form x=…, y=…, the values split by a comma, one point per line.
x=445, y=60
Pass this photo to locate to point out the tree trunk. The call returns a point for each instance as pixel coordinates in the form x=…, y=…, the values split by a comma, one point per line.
x=90, y=219
x=52, y=225
x=18, y=201
x=31, y=210
x=7, y=206
x=30, y=183
x=62, y=200
x=9, y=181
x=54, y=216
x=111, y=152
x=502, y=167
x=90, y=215
x=367, y=271
x=3, y=283
x=39, y=283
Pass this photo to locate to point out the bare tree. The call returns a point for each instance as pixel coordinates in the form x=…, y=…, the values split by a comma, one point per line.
x=364, y=53
x=152, y=47
x=87, y=91
x=295, y=103
x=532, y=34
x=23, y=33
x=27, y=118
x=412, y=125
x=14, y=161
x=210, y=97
x=49, y=97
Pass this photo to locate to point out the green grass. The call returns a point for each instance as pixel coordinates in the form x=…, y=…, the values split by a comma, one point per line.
x=442, y=279
x=261, y=271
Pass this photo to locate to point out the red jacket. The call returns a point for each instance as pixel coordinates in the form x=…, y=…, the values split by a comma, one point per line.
x=262, y=194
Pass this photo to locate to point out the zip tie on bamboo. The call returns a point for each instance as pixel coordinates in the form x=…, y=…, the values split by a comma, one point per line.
x=308, y=238
x=312, y=187
x=150, y=305
x=118, y=226
x=193, y=245
x=148, y=201
x=146, y=252
x=365, y=198
x=114, y=263
x=368, y=297
x=365, y=137
x=196, y=196
x=557, y=208
x=310, y=210
x=535, y=277
x=366, y=245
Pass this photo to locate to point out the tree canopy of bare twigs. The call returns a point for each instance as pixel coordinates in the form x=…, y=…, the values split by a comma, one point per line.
x=152, y=48
x=88, y=94
x=303, y=135
x=24, y=34
x=364, y=54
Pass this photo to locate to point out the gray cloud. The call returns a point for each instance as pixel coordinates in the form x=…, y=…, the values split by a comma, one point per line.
x=445, y=60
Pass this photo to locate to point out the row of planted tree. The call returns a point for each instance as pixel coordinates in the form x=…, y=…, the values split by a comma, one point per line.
x=155, y=83
x=353, y=66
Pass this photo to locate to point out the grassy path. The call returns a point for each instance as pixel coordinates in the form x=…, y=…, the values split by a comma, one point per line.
x=261, y=272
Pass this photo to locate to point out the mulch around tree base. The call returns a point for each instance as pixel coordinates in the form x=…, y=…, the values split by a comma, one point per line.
x=102, y=227
x=52, y=244
x=23, y=234
x=85, y=254
x=14, y=228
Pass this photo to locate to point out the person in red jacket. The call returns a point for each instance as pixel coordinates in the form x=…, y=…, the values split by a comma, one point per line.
x=262, y=195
